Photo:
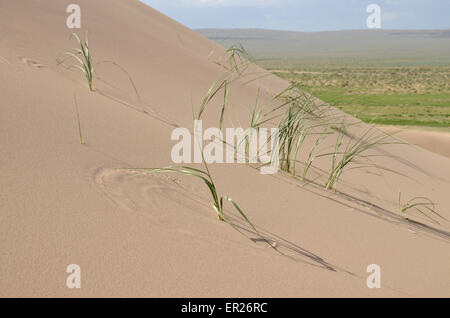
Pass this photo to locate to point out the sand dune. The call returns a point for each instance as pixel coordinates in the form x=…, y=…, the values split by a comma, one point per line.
x=437, y=141
x=66, y=203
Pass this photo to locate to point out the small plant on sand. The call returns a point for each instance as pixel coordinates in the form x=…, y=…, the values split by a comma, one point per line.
x=83, y=56
x=218, y=203
x=422, y=205
x=205, y=176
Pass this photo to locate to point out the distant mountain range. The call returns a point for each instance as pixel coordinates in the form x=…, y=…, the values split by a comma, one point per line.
x=365, y=47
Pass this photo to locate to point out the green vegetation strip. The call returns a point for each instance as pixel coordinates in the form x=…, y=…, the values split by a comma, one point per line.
x=416, y=96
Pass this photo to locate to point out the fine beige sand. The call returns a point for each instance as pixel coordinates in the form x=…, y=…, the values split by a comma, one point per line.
x=157, y=236
x=435, y=140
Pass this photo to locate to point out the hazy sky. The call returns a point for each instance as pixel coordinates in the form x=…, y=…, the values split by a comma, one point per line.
x=305, y=15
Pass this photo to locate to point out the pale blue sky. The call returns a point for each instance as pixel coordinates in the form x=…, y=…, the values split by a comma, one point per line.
x=305, y=15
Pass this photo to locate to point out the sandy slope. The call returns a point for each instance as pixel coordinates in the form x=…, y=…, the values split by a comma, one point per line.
x=437, y=141
x=64, y=203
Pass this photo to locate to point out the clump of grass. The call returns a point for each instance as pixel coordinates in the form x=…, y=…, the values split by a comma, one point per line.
x=294, y=96
x=423, y=205
x=237, y=59
x=83, y=56
x=339, y=138
x=213, y=90
x=312, y=155
x=295, y=126
x=256, y=123
x=353, y=151
x=292, y=133
x=304, y=116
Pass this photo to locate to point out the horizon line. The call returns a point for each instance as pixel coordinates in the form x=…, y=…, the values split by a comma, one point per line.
x=340, y=30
